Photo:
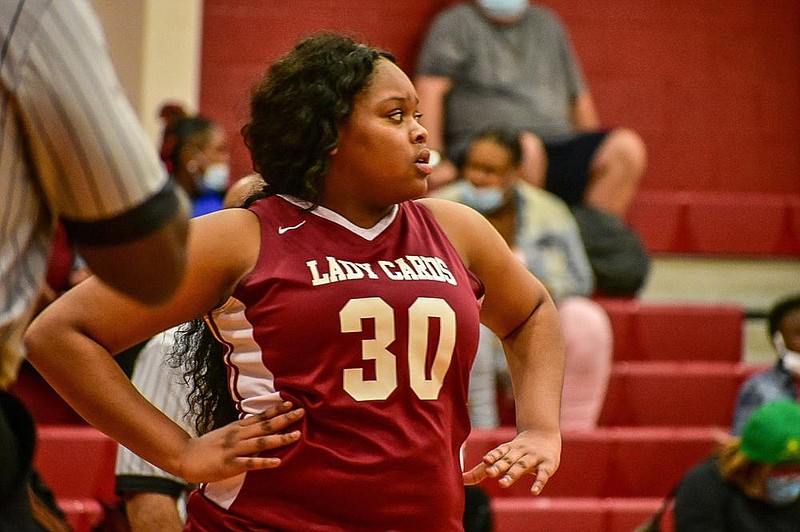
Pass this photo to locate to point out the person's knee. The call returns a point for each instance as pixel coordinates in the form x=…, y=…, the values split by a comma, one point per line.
x=585, y=322
x=533, y=166
x=629, y=148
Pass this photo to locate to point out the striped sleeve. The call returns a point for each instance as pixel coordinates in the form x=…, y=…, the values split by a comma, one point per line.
x=92, y=156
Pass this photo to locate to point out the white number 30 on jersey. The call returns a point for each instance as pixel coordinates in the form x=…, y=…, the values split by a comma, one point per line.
x=385, y=382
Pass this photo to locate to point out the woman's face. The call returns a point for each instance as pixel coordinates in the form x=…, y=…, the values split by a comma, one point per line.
x=789, y=327
x=205, y=149
x=489, y=164
x=382, y=158
x=217, y=148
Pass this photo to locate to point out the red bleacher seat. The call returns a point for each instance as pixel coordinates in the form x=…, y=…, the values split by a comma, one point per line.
x=518, y=514
x=736, y=223
x=742, y=223
x=665, y=394
x=606, y=462
x=649, y=462
x=77, y=463
x=681, y=331
x=675, y=331
x=658, y=218
x=625, y=514
x=673, y=393
x=621, y=313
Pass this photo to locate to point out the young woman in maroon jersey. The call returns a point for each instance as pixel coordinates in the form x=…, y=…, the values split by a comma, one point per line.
x=339, y=292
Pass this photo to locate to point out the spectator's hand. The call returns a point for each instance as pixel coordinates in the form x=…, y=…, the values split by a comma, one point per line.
x=236, y=447
x=443, y=173
x=532, y=451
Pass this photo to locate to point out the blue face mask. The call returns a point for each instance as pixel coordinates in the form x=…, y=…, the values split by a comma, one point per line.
x=504, y=9
x=482, y=199
x=783, y=490
x=215, y=178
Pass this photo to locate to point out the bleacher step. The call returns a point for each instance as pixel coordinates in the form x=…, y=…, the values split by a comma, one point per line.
x=753, y=283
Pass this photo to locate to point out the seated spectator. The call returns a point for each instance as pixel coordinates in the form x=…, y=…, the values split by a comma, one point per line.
x=539, y=227
x=487, y=62
x=154, y=499
x=752, y=483
x=782, y=381
x=170, y=113
x=199, y=160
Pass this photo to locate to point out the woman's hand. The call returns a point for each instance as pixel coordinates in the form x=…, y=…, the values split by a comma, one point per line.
x=532, y=451
x=235, y=448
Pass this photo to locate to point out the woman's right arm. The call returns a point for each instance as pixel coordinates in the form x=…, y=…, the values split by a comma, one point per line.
x=72, y=341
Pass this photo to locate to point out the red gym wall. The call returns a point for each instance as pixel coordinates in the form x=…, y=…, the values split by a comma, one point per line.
x=713, y=86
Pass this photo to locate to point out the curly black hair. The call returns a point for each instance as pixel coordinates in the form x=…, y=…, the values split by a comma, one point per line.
x=200, y=356
x=297, y=107
x=182, y=132
x=779, y=310
x=507, y=138
x=295, y=113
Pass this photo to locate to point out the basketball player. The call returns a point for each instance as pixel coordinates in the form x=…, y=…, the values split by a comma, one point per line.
x=344, y=296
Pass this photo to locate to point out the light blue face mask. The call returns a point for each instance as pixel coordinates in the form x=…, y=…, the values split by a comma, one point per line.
x=215, y=178
x=504, y=8
x=789, y=358
x=482, y=199
x=783, y=490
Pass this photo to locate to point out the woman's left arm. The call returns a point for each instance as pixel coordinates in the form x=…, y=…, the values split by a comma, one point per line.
x=519, y=310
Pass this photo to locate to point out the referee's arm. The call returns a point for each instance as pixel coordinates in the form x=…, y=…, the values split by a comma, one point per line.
x=96, y=167
x=147, y=263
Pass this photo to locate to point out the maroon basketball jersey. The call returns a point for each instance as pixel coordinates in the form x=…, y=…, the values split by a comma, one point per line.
x=373, y=332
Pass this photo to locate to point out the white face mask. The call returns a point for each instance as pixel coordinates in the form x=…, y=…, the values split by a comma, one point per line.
x=482, y=199
x=215, y=177
x=789, y=358
x=783, y=490
x=503, y=9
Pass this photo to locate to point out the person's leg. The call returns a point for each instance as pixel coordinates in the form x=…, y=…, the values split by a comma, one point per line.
x=533, y=166
x=17, y=436
x=568, y=165
x=616, y=169
x=483, y=385
x=588, y=339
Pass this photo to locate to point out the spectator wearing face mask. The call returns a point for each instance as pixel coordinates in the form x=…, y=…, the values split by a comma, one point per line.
x=199, y=160
x=540, y=229
x=752, y=484
x=782, y=381
x=510, y=63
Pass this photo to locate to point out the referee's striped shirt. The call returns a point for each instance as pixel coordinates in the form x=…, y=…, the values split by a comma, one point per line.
x=163, y=386
x=70, y=146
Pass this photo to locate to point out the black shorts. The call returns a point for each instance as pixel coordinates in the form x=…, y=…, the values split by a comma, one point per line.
x=568, y=164
x=17, y=437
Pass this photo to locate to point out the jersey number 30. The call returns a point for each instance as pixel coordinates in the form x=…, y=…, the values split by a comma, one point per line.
x=385, y=382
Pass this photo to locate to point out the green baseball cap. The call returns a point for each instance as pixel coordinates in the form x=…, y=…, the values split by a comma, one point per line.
x=772, y=433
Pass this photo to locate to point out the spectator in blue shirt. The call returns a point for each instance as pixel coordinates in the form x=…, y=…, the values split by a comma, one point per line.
x=782, y=381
